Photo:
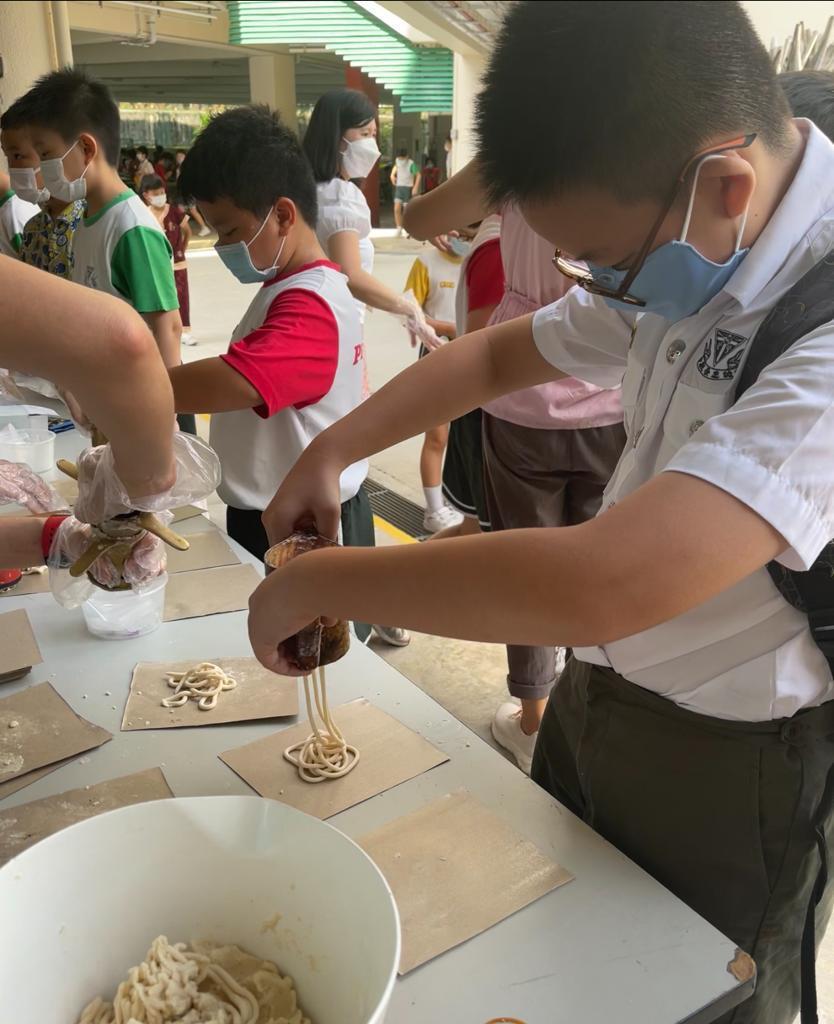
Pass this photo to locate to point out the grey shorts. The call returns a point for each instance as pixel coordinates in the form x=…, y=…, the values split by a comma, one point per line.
x=402, y=193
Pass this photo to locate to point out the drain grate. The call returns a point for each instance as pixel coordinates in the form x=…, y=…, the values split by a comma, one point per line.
x=396, y=510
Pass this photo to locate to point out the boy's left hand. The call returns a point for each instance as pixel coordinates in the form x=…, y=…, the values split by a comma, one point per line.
x=277, y=611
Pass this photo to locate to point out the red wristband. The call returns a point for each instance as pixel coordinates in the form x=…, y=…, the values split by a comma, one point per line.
x=50, y=528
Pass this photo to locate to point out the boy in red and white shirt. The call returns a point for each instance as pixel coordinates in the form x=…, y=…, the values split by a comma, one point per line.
x=294, y=364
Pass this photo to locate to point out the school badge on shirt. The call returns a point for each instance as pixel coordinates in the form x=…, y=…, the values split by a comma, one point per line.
x=722, y=355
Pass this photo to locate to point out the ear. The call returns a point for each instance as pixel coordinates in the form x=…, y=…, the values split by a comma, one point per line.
x=286, y=213
x=736, y=178
x=89, y=147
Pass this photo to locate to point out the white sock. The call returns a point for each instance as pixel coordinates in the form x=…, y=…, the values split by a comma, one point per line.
x=434, y=498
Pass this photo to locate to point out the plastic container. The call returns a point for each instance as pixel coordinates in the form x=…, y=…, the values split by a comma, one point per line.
x=125, y=614
x=82, y=906
x=34, y=447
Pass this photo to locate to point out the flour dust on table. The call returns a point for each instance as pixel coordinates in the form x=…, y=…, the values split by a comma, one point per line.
x=202, y=983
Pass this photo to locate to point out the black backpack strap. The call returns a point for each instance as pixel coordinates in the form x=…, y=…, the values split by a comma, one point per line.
x=808, y=305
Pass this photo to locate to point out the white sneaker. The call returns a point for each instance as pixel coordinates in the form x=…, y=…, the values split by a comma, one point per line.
x=441, y=519
x=204, y=230
x=189, y=339
x=396, y=636
x=506, y=729
x=399, y=233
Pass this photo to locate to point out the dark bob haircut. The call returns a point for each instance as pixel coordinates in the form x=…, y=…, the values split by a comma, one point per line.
x=335, y=113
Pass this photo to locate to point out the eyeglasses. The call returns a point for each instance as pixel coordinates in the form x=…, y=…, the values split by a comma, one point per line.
x=580, y=274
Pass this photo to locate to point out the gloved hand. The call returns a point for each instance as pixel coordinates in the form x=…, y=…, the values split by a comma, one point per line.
x=102, y=496
x=19, y=484
x=146, y=561
x=415, y=323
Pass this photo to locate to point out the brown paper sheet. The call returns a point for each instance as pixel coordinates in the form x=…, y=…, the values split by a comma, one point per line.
x=206, y=551
x=34, y=583
x=186, y=512
x=259, y=694
x=389, y=754
x=456, y=869
x=23, y=826
x=18, y=646
x=210, y=591
x=22, y=781
x=47, y=730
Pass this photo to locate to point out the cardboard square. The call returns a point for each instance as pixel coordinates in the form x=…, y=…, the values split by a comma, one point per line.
x=210, y=591
x=22, y=781
x=18, y=646
x=456, y=869
x=47, y=730
x=259, y=694
x=206, y=551
x=389, y=753
x=23, y=826
x=32, y=583
x=186, y=512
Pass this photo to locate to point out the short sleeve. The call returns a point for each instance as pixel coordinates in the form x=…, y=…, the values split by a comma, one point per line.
x=584, y=337
x=292, y=358
x=772, y=449
x=347, y=210
x=418, y=282
x=142, y=271
x=485, y=276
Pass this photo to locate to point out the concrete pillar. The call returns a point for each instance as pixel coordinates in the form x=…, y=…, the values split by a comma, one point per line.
x=467, y=84
x=272, y=81
x=61, y=28
x=27, y=46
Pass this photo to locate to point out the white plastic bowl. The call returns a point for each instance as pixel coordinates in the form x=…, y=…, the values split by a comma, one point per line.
x=34, y=447
x=81, y=907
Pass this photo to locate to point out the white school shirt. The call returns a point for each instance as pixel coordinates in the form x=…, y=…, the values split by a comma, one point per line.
x=342, y=207
x=406, y=170
x=15, y=213
x=746, y=654
x=433, y=279
x=257, y=451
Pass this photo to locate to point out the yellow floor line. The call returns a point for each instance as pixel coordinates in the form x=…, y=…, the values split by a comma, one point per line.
x=393, y=531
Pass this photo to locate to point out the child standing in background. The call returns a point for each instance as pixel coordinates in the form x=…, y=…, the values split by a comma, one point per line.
x=119, y=247
x=405, y=177
x=433, y=281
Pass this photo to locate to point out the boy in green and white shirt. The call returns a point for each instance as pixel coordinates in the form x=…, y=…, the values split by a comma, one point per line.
x=14, y=213
x=119, y=247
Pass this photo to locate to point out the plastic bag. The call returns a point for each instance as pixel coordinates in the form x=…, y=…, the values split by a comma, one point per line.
x=146, y=561
x=102, y=496
x=22, y=486
x=415, y=323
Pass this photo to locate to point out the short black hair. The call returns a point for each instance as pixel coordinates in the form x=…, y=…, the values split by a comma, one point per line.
x=250, y=156
x=335, y=113
x=69, y=102
x=402, y=151
x=630, y=91
x=142, y=149
x=149, y=182
x=811, y=94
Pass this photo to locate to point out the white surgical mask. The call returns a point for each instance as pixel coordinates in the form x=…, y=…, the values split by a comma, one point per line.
x=54, y=179
x=360, y=157
x=25, y=184
x=159, y=201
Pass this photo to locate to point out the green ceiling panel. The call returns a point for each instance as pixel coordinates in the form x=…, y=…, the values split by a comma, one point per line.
x=420, y=76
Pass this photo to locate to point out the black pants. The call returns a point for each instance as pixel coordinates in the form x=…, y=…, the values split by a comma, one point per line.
x=187, y=422
x=245, y=526
x=732, y=817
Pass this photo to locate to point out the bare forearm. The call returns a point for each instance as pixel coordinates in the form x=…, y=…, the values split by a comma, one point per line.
x=20, y=542
x=98, y=348
x=455, y=203
x=458, y=378
x=167, y=329
x=366, y=288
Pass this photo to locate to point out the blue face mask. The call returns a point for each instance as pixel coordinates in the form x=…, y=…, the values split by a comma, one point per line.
x=237, y=259
x=676, y=280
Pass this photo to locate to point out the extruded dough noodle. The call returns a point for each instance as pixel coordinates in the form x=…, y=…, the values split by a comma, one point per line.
x=204, y=683
x=324, y=754
x=178, y=985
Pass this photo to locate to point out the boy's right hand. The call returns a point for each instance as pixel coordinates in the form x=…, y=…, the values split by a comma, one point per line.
x=309, y=498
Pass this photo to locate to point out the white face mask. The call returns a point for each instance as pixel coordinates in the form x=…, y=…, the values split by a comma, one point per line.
x=159, y=201
x=25, y=184
x=359, y=158
x=54, y=179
